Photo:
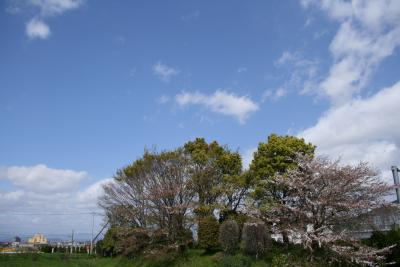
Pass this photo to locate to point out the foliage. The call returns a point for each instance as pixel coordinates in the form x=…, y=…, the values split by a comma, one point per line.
x=46, y=248
x=133, y=242
x=276, y=156
x=255, y=239
x=208, y=233
x=109, y=242
x=229, y=236
x=213, y=167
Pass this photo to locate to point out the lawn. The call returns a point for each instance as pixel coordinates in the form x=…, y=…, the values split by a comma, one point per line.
x=277, y=257
x=194, y=258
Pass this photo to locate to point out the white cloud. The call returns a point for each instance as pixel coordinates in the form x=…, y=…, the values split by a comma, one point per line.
x=55, y=7
x=274, y=94
x=41, y=178
x=362, y=129
x=164, y=72
x=39, y=190
x=369, y=32
x=222, y=102
x=91, y=194
x=301, y=74
x=37, y=29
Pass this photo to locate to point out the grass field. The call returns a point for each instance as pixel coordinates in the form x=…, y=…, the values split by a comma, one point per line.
x=193, y=258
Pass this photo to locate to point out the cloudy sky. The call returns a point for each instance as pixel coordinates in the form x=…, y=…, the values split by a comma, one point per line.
x=86, y=85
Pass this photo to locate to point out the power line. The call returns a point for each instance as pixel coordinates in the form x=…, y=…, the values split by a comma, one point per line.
x=51, y=214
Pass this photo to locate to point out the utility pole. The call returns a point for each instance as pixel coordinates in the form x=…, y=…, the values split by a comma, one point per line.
x=395, y=171
x=72, y=241
x=91, y=240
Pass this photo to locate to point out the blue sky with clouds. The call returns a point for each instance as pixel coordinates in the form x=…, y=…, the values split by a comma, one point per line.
x=86, y=85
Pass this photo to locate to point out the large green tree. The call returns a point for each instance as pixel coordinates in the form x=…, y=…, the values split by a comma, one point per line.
x=277, y=155
x=213, y=167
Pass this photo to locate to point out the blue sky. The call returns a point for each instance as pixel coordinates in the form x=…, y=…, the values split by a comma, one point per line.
x=86, y=85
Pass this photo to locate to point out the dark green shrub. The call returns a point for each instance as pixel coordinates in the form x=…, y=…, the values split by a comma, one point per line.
x=229, y=236
x=46, y=248
x=255, y=238
x=208, y=233
x=109, y=242
x=184, y=239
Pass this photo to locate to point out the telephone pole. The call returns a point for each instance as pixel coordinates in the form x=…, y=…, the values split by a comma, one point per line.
x=72, y=241
x=395, y=171
x=91, y=240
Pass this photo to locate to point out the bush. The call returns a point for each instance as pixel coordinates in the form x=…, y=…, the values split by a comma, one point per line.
x=184, y=239
x=255, y=239
x=208, y=233
x=132, y=242
x=229, y=236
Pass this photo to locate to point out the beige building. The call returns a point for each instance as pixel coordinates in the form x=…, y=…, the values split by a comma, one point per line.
x=37, y=239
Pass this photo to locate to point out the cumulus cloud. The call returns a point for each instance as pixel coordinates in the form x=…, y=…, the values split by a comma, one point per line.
x=369, y=32
x=41, y=178
x=362, y=129
x=36, y=191
x=358, y=128
x=221, y=102
x=164, y=72
x=43, y=9
x=37, y=29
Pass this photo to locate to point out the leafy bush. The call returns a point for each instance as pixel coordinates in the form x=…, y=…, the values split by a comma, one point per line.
x=208, y=233
x=133, y=242
x=229, y=236
x=46, y=248
x=184, y=239
x=255, y=238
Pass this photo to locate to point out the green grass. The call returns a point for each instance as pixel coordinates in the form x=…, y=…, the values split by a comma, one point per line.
x=277, y=257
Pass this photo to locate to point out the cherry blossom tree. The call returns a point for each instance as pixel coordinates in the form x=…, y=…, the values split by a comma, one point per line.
x=323, y=204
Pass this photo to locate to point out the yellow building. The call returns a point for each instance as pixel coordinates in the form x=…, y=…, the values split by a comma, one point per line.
x=37, y=239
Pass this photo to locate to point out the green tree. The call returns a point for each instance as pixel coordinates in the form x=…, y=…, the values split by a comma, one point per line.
x=213, y=165
x=109, y=242
x=277, y=155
